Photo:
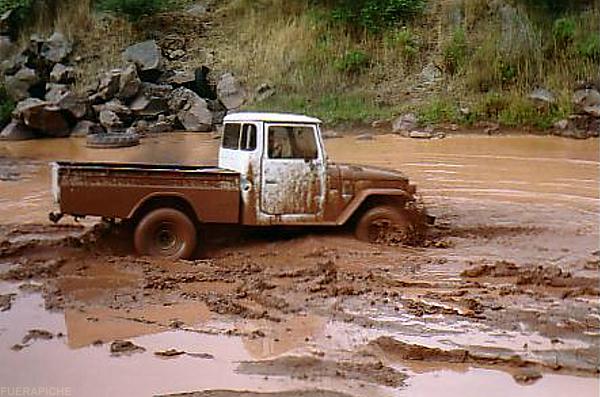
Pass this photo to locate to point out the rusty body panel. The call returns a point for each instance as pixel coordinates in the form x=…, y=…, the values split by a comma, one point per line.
x=115, y=190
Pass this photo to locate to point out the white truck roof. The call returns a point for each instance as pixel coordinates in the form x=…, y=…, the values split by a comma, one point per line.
x=271, y=117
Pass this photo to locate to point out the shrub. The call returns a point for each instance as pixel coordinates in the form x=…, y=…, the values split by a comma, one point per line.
x=353, y=62
x=376, y=15
x=438, y=111
x=563, y=31
x=21, y=9
x=405, y=41
x=135, y=9
x=455, y=51
x=6, y=107
x=589, y=47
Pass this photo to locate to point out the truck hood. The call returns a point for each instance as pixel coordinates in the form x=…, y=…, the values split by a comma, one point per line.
x=369, y=173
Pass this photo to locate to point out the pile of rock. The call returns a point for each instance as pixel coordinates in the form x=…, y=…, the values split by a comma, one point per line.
x=141, y=97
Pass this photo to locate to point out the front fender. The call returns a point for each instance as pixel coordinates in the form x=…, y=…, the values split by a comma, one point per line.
x=363, y=195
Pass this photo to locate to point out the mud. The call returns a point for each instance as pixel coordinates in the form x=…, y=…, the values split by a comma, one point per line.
x=504, y=289
x=232, y=393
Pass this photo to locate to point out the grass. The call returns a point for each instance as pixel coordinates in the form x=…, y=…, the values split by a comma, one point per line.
x=348, y=109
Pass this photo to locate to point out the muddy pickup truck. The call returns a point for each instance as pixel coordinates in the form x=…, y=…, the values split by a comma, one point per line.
x=273, y=171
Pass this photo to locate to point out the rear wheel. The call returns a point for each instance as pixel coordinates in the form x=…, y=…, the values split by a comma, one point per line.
x=378, y=222
x=166, y=233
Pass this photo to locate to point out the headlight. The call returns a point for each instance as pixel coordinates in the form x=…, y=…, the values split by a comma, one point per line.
x=55, y=186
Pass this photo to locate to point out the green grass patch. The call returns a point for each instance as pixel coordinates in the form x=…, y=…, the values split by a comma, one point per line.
x=334, y=109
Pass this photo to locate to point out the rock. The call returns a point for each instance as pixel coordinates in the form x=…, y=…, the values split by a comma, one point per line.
x=192, y=111
x=586, y=98
x=230, y=92
x=129, y=83
x=109, y=120
x=75, y=105
x=55, y=91
x=119, y=347
x=176, y=54
x=149, y=106
x=542, y=97
x=62, y=74
x=147, y=57
x=593, y=111
x=404, y=123
x=197, y=9
x=6, y=47
x=421, y=134
x=42, y=116
x=430, y=74
x=16, y=131
x=18, y=86
x=527, y=376
x=108, y=86
x=264, y=92
x=56, y=48
x=85, y=128
x=179, y=78
x=12, y=65
x=162, y=125
x=365, y=137
x=561, y=125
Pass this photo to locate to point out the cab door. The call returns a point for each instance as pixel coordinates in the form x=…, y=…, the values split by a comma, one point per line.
x=293, y=173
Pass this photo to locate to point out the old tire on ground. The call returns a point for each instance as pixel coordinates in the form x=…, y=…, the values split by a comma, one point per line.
x=381, y=219
x=112, y=141
x=166, y=233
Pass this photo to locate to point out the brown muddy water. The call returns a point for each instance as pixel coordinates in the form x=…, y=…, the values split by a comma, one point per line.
x=314, y=314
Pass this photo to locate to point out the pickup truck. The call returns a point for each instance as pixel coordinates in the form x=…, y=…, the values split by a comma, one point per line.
x=272, y=171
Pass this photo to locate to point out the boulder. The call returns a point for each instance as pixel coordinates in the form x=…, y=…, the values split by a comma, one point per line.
x=57, y=48
x=72, y=103
x=16, y=131
x=421, y=134
x=144, y=106
x=593, y=111
x=561, y=125
x=108, y=86
x=18, y=86
x=542, y=97
x=181, y=78
x=85, y=128
x=109, y=120
x=162, y=125
x=147, y=57
x=55, y=91
x=586, y=98
x=192, y=111
x=62, y=74
x=42, y=116
x=115, y=106
x=230, y=92
x=404, y=123
x=12, y=65
x=129, y=83
x=6, y=47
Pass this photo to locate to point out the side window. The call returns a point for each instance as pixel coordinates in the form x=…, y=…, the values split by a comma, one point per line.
x=248, y=138
x=231, y=136
x=286, y=142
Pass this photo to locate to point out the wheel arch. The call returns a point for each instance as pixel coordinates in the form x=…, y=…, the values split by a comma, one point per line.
x=164, y=200
x=370, y=199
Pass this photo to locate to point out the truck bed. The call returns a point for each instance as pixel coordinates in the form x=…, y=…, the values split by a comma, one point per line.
x=117, y=190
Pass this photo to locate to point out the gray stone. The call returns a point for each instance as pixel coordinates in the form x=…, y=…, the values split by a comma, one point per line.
x=192, y=111
x=129, y=83
x=146, y=55
x=6, y=47
x=13, y=64
x=109, y=120
x=16, y=131
x=197, y=9
x=593, y=111
x=149, y=106
x=62, y=74
x=561, y=125
x=114, y=106
x=542, y=96
x=421, y=134
x=230, y=92
x=181, y=78
x=75, y=105
x=586, y=97
x=55, y=91
x=57, y=48
x=85, y=128
x=162, y=125
x=108, y=86
x=404, y=123
x=17, y=86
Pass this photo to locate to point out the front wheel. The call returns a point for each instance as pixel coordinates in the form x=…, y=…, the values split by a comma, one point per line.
x=166, y=233
x=378, y=222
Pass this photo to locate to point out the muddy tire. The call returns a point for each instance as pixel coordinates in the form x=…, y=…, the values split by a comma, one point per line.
x=112, y=141
x=166, y=233
x=380, y=220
